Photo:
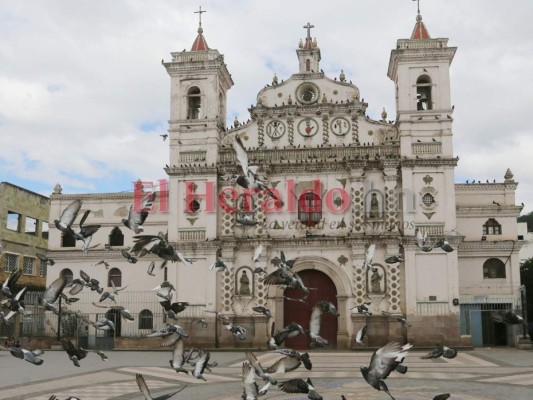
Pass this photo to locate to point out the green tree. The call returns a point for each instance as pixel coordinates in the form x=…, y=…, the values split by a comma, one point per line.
x=526, y=277
x=527, y=218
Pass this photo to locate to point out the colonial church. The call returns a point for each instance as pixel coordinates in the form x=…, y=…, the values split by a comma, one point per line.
x=341, y=182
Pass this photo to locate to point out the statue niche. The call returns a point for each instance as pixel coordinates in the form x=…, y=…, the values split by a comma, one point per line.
x=376, y=280
x=374, y=205
x=244, y=282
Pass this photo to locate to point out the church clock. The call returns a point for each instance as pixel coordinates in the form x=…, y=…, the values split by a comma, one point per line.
x=275, y=129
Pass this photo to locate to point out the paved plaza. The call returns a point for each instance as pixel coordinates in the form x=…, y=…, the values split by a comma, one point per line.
x=473, y=375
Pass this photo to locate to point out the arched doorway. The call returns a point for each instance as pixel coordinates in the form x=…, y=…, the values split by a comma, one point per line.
x=321, y=288
x=114, y=316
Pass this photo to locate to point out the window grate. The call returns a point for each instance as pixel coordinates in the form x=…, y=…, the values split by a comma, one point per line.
x=27, y=265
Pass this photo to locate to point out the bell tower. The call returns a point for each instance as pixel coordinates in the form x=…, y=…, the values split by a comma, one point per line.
x=420, y=69
x=199, y=81
x=308, y=53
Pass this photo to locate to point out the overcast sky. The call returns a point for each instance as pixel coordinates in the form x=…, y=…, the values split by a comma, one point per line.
x=84, y=97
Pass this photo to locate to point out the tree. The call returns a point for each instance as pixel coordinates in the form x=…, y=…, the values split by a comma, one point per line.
x=527, y=218
x=526, y=277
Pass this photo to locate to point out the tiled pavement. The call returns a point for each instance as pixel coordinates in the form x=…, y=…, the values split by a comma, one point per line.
x=470, y=376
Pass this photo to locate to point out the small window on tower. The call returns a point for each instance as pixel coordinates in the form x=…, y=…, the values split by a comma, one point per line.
x=194, y=103
x=423, y=93
x=308, y=65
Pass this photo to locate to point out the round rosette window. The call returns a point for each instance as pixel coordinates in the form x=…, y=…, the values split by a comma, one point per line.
x=307, y=93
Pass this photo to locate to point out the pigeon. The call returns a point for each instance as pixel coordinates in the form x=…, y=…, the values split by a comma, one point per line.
x=30, y=356
x=259, y=371
x=315, y=321
x=444, y=245
x=237, y=331
x=105, y=263
x=249, y=386
x=292, y=360
x=10, y=282
x=201, y=322
x=440, y=351
x=151, y=268
x=369, y=257
x=300, y=386
x=165, y=136
x=143, y=387
x=257, y=253
x=85, y=233
x=394, y=259
x=102, y=355
x=165, y=289
x=385, y=360
x=178, y=358
x=124, y=313
x=402, y=320
x=51, y=294
x=263, y=310
x=67, y=217
x=159, y=245
x=219, y=315
x=507, y=317
x=16, y=304
x=361, y=335
x=291, y=330
x=75, y=354
x=127, y=255
x=137, y=217
x=442, y=396
x=45, y=260
x=54, y=397
x=362, y=309
x=68, y=300
x=422, y=241
x=173, y=309
x=201, y=364
x=218, y=266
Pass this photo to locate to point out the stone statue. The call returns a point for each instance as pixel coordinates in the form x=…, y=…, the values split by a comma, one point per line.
x=244, y=288
x=375, y=282
x=374, y=207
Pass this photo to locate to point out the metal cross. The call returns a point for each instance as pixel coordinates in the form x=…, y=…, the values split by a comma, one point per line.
x=308, y=27
x=418, y=5
x=200, y=12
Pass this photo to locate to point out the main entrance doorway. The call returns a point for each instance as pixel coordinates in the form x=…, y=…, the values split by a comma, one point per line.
x=321, y=287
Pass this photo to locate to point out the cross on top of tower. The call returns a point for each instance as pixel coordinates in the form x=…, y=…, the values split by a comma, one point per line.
x=418, y=5
x=308, y=27
x=200, y=12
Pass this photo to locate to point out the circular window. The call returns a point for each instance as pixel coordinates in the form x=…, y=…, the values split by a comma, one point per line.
x=194, y=206
x=428, y=200
x=307, y=93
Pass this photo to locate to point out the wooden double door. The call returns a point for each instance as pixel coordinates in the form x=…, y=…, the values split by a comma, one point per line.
x=321, y=288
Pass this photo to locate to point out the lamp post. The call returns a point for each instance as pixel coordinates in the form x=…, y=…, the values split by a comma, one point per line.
x=59, y=321
x=524, y=312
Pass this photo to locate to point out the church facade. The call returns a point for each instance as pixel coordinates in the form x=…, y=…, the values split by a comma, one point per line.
x=340, y=183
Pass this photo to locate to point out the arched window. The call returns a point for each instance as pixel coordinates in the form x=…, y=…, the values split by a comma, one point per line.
x=492, y=227
x=423, y=93
x=309, y=208
x=308, y=65
x=68, y=240
x=194, y=102
x=67, y=273
x=116, y=238
x=493, y=268
x=116, y=276
x=146, y=320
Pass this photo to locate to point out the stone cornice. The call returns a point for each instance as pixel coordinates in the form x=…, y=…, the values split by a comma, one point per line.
x=489, y=187
x=190, y=170
x=491, y=246
x=298, y=110
x=93, y=196
x=489, y=210
x=429, y=162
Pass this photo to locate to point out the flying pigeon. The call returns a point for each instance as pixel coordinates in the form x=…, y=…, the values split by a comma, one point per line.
x=178, y=358
x=75, y=354
x=51, y=294
x=151, y=268
x=249, y=386
x=30, y=356
x=46, y=260
x=300, y=386
x=369, y=257
x=291, y=330
x=85, y=233
x=10, y=282
x=263, y=310
x=201, y=364
x=143, y=387
x=507, y=317
x=259, y=371
x=105, y=263
x=68, y=216
x=124, y=313
x=361, y=335
x=257, y=253
x=385, y=360
x=137, y=217
x=127, y=255
x=292, y=360
x=362, y=308
x=315, y=321
x=237, y=331
x=394, y=259
x=402, y=320
x=173, y=309
x=422, y=241
x=218, y=266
